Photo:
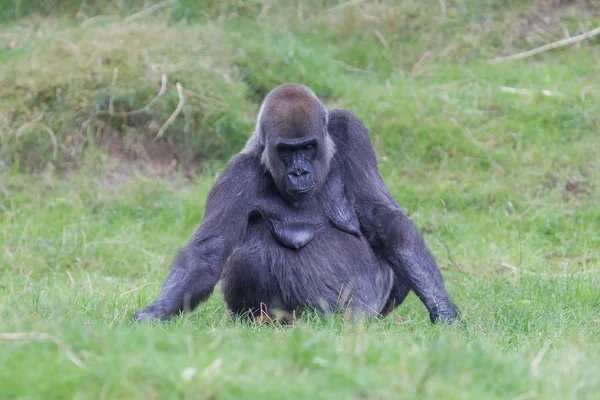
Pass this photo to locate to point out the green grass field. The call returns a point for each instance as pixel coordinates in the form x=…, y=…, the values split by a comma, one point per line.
x=498, y=164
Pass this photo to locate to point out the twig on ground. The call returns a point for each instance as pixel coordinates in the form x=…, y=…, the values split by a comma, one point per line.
x=527, y=92
x=44, y=337
x=550, y=46
x=162, y=130
x=508, y=266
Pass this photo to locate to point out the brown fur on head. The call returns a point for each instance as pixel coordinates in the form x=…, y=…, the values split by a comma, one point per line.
x=291, y=116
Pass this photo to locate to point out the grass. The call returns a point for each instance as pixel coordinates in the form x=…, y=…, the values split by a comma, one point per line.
x=504, y=186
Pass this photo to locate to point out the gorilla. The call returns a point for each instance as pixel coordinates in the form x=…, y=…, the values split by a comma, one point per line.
x=301, y=219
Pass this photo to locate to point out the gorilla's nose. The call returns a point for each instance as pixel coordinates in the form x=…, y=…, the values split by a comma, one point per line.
x=297, y=174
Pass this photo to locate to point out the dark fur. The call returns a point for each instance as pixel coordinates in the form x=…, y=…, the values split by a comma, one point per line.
x=344, y=245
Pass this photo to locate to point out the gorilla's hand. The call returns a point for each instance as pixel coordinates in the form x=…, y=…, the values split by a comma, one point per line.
x=447, y=315
x=149, y=313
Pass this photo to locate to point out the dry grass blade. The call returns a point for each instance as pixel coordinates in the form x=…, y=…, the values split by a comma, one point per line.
x=426, y=56
x=52, y=138
x=443, y=7
x=353, y=69
x=94, y=19
x=538, y=359
x=44, y=337
x=37, y=122
x=343, y=5
x=146, y=108
x=382, y=39
x=337, y=7
x=148, y=10
x=550, y=46
x=137, y=288
x=162, y=130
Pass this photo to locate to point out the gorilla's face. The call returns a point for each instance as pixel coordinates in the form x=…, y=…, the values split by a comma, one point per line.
x=298, y=164
x=297, y=147
x=298, y=158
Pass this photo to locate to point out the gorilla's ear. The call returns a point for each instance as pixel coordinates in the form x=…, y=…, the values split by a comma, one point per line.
x=337, y=204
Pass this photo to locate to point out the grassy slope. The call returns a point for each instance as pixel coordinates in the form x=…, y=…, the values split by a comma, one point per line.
x=504, y=185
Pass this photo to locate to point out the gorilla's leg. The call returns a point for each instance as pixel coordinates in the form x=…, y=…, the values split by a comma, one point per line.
x=400, y=290
x=248, y=287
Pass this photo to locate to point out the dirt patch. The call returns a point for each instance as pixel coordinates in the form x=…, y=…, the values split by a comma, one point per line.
x=544, y=17
x=576, y=191
x=145, y=155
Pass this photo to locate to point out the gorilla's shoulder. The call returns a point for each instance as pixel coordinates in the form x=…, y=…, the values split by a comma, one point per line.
x=348, y=133
x=244, y=165
x=343, y=124
x=241, y=170
x=339, y=118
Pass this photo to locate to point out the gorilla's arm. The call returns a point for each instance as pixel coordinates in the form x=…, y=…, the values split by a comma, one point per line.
x=197, y=267
x=391, y=233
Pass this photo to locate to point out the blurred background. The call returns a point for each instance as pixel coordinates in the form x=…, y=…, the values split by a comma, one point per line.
x=416, y=72
x=116, y=118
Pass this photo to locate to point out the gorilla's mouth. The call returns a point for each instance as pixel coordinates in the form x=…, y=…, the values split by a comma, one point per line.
x=303, y=190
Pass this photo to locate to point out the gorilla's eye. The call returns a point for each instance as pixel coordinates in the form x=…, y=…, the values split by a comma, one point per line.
x=309, y=147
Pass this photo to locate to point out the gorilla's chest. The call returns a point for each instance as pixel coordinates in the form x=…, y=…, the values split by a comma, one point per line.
x=294, y=228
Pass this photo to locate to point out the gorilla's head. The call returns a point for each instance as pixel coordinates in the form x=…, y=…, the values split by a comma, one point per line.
x=297, y=149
